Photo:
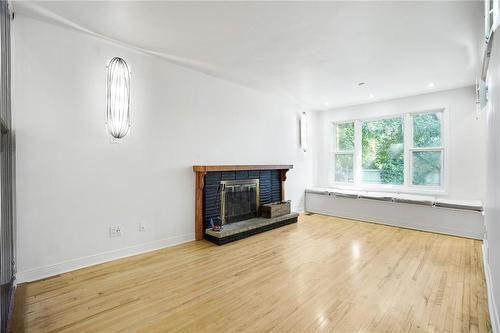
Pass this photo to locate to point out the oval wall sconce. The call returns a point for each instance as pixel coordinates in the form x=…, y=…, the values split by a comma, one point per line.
x=118, y=98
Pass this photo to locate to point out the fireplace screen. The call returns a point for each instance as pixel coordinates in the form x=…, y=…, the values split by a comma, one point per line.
x=239, y=200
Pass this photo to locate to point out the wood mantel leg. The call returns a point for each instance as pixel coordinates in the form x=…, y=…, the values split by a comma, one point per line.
x=200, y=184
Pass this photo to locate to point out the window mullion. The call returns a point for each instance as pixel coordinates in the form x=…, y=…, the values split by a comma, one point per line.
x=357, y=153
x=333, y=142
x=333, y=148
x=408, y=143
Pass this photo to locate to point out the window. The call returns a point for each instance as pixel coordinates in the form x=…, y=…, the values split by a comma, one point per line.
x=344, y=152
x=404, y=151
x=383, y=151
x=427, y=151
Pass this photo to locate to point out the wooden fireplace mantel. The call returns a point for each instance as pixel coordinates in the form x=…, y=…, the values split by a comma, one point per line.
x=207, y=168
x=201, y=171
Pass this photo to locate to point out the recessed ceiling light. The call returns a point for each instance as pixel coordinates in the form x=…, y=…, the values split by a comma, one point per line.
x=371, y=95
x=430, y=85
x=326, y=103
x=360, y=84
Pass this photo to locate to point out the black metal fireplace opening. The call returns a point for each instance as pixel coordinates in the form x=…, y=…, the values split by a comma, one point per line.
x=239, y=200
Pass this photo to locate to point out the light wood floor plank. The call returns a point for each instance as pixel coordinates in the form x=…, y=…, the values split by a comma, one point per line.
x=322, y=274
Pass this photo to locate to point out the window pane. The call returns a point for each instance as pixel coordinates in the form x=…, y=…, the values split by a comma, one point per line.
x=344, y=168
x=427, y=168
x=383, y=151
x=427, y=130
x=345, y=137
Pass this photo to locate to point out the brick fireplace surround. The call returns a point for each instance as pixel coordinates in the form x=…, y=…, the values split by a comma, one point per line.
x=202, y=170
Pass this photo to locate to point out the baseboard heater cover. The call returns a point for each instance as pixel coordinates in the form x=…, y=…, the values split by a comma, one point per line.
x=457, y=222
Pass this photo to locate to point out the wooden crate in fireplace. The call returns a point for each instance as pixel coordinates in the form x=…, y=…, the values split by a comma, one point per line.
x=275, y=209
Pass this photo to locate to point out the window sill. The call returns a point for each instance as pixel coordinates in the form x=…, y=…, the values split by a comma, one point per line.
x=391, y=188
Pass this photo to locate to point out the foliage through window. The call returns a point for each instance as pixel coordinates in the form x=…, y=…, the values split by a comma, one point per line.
x=383, y=151
x=427, y=130
x=345, y=136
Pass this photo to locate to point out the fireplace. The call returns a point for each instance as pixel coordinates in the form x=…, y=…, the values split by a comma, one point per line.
x=239, y=200
x=232, y=196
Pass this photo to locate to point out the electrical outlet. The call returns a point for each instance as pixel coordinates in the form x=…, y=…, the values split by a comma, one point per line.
x=142, y=227
x=115, y=231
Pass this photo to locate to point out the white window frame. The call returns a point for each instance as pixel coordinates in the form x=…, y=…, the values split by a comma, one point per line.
x=335, y=151
x=407, y=186
x=412, y=149
x=375, y=187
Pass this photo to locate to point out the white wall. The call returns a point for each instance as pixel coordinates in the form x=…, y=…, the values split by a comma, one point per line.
x=72, y=184
x=466, y=152
x=492, y=211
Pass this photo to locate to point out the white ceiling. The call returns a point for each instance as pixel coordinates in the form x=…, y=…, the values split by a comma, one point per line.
x=312, y=52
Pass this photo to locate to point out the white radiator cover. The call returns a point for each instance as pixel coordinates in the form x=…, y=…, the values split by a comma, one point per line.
x=449, y=221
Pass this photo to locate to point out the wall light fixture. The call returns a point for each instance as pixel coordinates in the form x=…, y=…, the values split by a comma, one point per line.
x=118, y=98
x=303, y=131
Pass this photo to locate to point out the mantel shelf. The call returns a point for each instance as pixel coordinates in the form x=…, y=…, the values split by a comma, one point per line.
x=208, y=168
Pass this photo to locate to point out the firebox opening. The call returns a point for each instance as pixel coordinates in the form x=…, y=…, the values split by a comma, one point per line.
x=239, y=200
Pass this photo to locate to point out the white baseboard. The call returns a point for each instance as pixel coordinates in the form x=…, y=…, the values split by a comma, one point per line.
x=495, y=323
x=71, y=265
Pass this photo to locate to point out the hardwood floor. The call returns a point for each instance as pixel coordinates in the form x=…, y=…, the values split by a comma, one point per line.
x=322, y=274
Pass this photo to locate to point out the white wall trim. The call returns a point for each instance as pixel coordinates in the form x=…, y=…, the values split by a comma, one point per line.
x=74, y=264
x=495, y=322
